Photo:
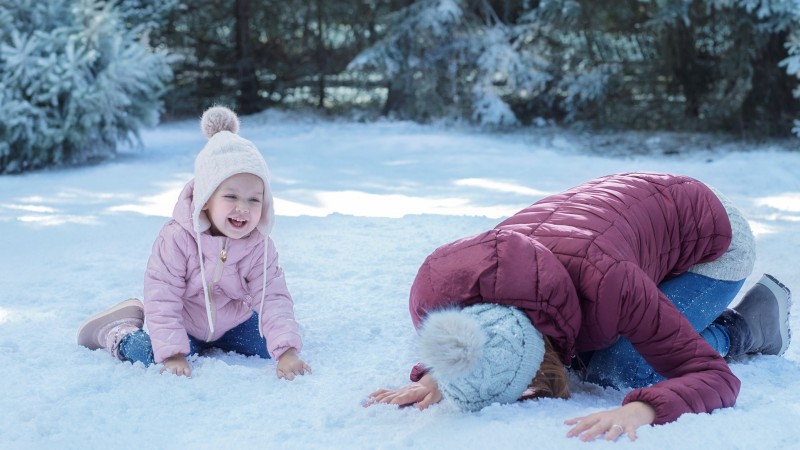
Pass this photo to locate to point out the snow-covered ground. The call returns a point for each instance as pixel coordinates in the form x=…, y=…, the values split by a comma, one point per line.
x=359, y=207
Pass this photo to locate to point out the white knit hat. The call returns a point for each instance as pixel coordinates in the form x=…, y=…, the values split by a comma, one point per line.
x=482, y=354
x=227, y=154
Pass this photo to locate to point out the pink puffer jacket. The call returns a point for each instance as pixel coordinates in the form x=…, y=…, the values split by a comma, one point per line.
x=174, y=302
x=585, y=264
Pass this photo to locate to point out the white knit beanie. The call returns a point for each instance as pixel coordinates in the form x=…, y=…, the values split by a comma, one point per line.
x=227, y=154
x=482, y=354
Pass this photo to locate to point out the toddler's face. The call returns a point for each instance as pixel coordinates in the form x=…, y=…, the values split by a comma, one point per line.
x=234, y=209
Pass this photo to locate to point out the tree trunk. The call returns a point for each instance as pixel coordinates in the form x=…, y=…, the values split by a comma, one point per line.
x=321, y=56
x=247, y=83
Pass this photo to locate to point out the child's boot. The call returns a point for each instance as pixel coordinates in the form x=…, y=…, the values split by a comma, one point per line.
x=759, y=323
x=107, y=328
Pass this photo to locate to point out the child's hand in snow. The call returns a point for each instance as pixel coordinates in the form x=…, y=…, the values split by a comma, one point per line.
x=177, y=364
x=612, y=423
x=421, y=394
x=290, y=365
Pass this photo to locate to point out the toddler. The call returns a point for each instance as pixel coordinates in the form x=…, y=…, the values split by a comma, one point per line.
x=213, y=278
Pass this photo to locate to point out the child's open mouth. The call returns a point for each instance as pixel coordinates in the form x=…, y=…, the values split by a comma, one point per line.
x=236, y=223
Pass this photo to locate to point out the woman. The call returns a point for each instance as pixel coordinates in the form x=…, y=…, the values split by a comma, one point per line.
x=626, y=277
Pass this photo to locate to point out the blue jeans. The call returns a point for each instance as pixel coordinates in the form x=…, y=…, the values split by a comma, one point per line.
x=700, y=299
x=243, y=338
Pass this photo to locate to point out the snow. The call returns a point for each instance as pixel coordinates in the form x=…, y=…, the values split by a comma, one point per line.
x=359, y=207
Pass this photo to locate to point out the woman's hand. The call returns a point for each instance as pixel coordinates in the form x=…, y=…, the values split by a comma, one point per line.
x=177, y=365
x=290, y=365
x=421, y=394
x=613, y=423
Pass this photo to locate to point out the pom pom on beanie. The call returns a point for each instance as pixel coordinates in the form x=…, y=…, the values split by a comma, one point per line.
x=452, y=344
x=219, y=118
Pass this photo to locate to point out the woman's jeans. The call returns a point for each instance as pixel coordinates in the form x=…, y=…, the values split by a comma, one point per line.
x=701, y=299
x=243, y=338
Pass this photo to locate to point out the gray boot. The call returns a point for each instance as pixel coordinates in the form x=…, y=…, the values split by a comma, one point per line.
x=759, y=323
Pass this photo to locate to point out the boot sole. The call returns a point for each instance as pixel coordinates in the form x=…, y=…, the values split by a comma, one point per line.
x=784, y=308
x=129, y=309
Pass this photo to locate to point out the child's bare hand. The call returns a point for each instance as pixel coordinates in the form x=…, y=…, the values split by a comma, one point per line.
x=290, y=365
x=177, y=364
x=613, y=423
x=422, y=394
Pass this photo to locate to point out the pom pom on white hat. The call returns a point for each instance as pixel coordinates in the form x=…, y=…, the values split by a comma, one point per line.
x=227, y=154
x=482, y=354
x=218, y=118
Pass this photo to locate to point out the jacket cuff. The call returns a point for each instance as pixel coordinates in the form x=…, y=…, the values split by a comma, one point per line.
x=417, y=372
x=665, y=413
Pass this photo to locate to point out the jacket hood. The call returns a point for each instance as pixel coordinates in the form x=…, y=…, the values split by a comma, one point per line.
x=506, y=268
x=182, y=212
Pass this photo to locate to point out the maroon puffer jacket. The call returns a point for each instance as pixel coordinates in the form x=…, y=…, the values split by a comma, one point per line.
x=585, y=264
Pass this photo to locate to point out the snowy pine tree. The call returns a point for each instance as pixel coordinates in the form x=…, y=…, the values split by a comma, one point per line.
x=690, y=65
x=443, y=59
x=74, y=81
x=423, y=38
x=146, y=14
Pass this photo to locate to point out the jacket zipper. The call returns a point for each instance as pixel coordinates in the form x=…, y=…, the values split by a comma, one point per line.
x=223, y=256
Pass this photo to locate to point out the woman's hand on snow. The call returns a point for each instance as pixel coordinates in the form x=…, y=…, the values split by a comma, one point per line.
x=613, y=423
x=290, y=365
x=421, y=394
x=177, y=364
